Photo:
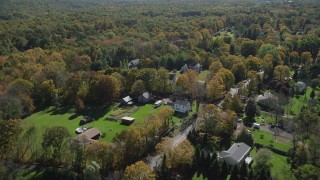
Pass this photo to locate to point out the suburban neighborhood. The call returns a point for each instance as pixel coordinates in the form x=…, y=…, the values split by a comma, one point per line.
x=160, y=90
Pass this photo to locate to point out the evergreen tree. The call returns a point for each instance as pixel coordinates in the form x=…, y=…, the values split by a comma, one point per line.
x=243, y=171
x=164, y=171
x=251, y=110
x=224, y=170
x=234, y=173
x=312, y=94
x=214, y=170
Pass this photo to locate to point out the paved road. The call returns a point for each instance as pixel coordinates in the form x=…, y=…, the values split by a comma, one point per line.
x=155, y=160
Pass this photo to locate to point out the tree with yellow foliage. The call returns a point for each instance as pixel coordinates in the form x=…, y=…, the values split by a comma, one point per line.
x=140, y=171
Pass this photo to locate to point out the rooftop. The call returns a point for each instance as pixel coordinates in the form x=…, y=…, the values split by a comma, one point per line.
x=182, y=102
x=237, y=151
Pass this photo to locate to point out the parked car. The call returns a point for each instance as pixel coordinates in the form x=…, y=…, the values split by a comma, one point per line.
x=82, y=129
x=157, y=104
x=256, y=125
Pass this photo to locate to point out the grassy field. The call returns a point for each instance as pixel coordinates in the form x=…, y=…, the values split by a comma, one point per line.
x=280, y=167
x=266, y=138
x=57, y=117
x=265, y=118
x=198, y=178
x=296, y=103
x=203, y=75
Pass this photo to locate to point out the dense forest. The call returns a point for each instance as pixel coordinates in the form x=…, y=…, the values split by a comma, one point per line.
x=75, y=53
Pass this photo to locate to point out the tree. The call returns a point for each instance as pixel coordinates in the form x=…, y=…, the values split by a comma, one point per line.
x=137, y=88
x=103, y=90
x=253, y=63
x=183, y=82
x=102, y=153
x=216, y=88
x=139, y=170
x=307, y=171
x=262, y=165
x=214, y=68
x=312, y=94
x=248, y=48
x=268, y=49
x=234, y=173
x=55, y=140
x=163, y=172
x=239, y=72
x=245, y=137
x=10, y=131
x=48, y=92
x=227, y=77
x=281, y=72
x=251, y=109
x=10, y=107
x=236, y=104
x=243, y=173
x=92, y=172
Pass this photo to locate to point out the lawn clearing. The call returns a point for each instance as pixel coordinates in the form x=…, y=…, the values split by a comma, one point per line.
x=297, y=102
x=203, y=75
x=280, y=166
x=198, y=178
x=47, y=118
x=65, y=117
x=267, y=139
x=266, y=118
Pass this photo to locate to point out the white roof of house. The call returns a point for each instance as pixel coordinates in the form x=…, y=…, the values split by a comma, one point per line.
x=128, y=118
x=127, y=99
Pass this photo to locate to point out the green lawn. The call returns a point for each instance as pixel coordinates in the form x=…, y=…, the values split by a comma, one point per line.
x=203, y=75
x=48, y=118
x=265, y=118
x=53, y=117
x=198, y=178
x=280, y=167
x=296, y=103
x=269, y=140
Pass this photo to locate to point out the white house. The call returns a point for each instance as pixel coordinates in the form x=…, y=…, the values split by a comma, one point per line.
x=182, y=106
x=300, y=87
x=237, y=153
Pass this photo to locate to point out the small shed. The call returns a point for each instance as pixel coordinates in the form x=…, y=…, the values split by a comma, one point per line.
x=127, y=120
x=126, y=100
x=145, y=97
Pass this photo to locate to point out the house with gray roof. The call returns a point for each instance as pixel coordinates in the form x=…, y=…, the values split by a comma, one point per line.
x=300, y=87
x=182, y=106
x=267, y=100
x=133, y=63
x=237, y=153
x=144, y=98
x=195, y=66
x=184, y=68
